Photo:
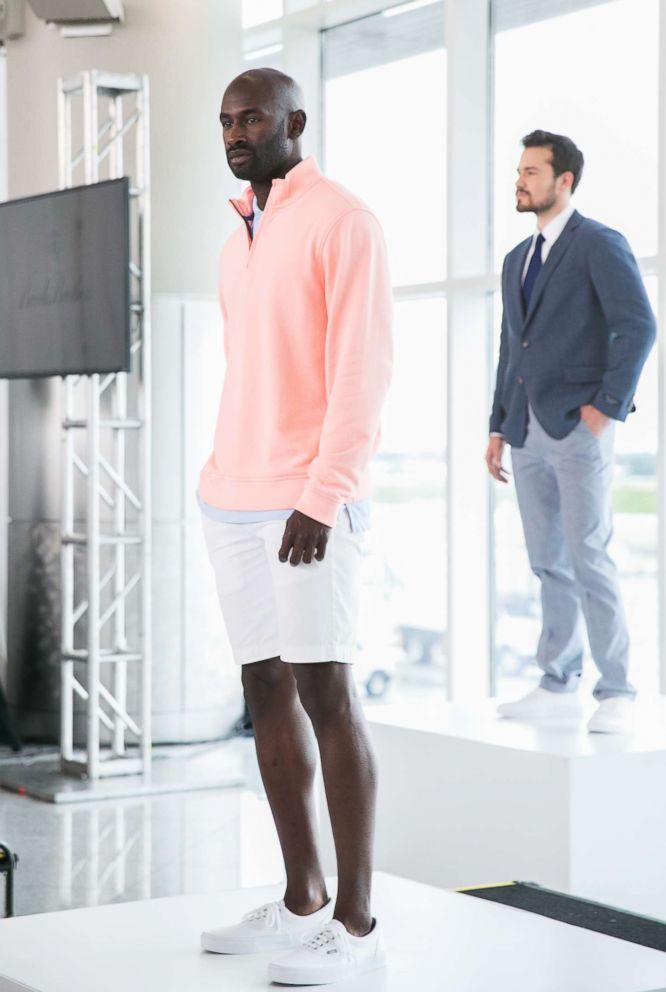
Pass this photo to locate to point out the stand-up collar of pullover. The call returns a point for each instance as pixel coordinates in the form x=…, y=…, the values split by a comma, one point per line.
x=297, y=181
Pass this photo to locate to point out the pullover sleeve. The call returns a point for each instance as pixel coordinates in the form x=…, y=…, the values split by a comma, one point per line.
x=358, y=360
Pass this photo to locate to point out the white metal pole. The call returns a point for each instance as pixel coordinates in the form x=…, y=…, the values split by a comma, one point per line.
x=92, y=507
x=145, y=400
x=107, y=402
x=93, y=556
x=116, y=168
x=67, y=512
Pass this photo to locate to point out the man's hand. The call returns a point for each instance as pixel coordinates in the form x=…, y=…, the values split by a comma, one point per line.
x=594, y=419
x=494, y=454
x=306, y=536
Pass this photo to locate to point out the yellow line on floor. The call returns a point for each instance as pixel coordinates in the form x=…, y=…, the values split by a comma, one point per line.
x=492, y=885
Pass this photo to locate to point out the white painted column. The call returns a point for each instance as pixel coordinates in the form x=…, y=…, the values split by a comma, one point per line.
x=469, y=279
x=301, y=59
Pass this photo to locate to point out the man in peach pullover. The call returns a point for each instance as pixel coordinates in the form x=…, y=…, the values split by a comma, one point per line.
x=306, y=300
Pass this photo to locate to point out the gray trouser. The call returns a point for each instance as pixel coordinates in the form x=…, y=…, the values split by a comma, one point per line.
x=564, y=495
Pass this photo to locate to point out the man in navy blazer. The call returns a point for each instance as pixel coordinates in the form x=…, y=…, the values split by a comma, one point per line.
x=576, y=330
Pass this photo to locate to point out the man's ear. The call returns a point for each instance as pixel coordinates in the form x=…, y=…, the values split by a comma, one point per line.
x=571, y=179
x=297, y=121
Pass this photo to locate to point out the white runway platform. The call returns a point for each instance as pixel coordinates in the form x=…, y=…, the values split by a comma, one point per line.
x=466, y=799
x=439, y=941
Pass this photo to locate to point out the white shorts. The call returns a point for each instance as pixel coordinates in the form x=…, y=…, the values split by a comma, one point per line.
x=299, y=613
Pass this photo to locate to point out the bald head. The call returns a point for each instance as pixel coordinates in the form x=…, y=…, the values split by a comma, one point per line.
x=278, y=89
x=262, y=119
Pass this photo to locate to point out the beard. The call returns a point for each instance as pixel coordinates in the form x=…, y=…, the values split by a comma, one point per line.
x=265, y=158
x=531, y=206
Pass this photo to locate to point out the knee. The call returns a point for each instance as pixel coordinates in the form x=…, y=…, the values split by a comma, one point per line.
x=326, y=699
x=591, y=562
x=265, y=684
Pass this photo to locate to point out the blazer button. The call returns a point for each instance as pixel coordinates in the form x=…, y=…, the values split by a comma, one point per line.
x=526, y=344
x=520, y=380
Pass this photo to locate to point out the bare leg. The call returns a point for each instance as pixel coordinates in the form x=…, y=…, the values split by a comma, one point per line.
x=287, y=761
x=328, y=694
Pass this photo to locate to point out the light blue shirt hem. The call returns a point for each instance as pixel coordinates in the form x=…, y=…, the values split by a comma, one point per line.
x=359, y=514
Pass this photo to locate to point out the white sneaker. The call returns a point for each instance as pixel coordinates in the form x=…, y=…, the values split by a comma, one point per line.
x=540, y=704
x=614, y=715
x=269, y=928
x=330, y=955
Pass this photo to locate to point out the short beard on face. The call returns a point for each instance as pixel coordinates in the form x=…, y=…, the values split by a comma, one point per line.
x=266, y=158
x=537, y=208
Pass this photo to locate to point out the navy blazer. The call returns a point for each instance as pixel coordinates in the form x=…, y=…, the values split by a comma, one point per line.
x=583, y=339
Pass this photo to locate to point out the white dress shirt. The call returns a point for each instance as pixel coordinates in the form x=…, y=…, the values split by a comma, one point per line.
x=551, y=233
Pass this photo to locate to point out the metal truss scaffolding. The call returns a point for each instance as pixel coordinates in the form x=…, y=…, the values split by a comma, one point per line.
x=103, y=126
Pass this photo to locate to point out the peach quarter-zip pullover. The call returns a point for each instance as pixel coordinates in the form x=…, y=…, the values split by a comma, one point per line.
x=307, y=311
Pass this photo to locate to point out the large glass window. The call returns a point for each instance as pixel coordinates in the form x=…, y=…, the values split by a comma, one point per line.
x=552, y=74
x=255, y=12
x=404, y=584
x=384, y=138
x=385, y=134
x=635, y=506
x=547, y=75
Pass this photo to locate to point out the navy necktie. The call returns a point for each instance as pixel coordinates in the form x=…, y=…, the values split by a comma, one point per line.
x=533, y=270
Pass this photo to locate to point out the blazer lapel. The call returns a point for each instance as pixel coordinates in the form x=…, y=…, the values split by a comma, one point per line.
x=514, y=280
x=555, y=256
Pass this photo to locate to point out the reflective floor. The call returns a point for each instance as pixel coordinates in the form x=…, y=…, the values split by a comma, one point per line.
x=94, y=853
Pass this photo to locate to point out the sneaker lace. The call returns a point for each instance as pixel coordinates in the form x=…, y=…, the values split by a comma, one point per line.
x=328, y=940
x=268, y=913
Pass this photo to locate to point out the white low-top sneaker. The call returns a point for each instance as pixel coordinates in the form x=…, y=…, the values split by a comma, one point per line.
x=540, y=704
x=271, y=927
x=330, y=954
x=614, y=715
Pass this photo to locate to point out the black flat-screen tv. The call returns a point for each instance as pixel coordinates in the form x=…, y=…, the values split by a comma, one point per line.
x=65, y=282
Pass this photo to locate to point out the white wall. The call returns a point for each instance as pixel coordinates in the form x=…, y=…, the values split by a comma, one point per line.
x=190, y=51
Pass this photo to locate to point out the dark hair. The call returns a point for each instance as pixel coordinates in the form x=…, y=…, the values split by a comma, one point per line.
x=566, y=157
